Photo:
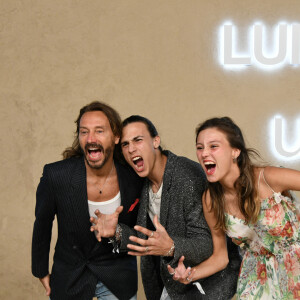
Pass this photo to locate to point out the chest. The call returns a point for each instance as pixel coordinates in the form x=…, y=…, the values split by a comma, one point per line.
x=99, y=190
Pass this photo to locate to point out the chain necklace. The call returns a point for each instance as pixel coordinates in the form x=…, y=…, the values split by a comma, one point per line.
x=101, y=189
x=156, y=185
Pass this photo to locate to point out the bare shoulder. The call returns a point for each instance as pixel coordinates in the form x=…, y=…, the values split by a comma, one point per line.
x=281, y=179
x=275, y=173
x=257, y=171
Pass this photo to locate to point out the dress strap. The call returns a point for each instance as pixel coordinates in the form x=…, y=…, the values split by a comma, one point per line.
x=262, y=172
x=259, y=181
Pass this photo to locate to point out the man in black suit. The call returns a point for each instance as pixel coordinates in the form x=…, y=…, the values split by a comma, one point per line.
x=89, y=178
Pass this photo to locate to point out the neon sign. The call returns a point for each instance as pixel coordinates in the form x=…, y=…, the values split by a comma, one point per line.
x=284, y=50
x=282, y=149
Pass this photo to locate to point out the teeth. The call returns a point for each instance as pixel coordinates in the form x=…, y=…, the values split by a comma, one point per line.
x=92, y=149
x=136, y=158
x=209, y=163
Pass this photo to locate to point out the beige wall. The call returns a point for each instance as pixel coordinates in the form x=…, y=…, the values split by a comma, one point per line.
x=154, y=58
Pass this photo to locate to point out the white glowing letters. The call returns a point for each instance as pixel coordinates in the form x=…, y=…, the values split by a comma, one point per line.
x=281, y=134
x=286, y=43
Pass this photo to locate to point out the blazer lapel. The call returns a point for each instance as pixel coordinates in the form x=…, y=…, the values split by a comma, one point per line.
x=144, y=203
x=167, y=181
x=122, y=176
x=78, y=200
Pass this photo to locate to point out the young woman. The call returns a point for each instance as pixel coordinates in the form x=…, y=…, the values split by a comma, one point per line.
x=253, y=206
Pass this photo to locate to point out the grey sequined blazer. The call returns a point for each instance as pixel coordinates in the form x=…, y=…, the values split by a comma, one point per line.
x=181, y=214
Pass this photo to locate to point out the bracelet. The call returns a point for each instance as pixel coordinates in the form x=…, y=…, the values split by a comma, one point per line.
x=116, y=240
x=171, y=251
x=118, y=234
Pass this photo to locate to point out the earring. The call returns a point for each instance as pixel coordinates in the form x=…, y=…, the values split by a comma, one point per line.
x=234, y=159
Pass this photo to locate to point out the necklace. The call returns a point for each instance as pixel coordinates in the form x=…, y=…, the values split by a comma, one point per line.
x=156, y=185
x=101, y=189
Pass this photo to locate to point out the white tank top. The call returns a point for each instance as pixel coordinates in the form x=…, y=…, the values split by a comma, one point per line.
x=105, y=207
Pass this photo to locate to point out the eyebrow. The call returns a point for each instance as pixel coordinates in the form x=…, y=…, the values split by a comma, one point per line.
x=138, y=136
x=133, y=139
x=211, y=142
x=103, y=127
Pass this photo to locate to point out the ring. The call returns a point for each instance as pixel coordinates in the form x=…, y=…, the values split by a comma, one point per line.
x=147, y=249
x=151, y=235
x=189, y=280
x=173, y=273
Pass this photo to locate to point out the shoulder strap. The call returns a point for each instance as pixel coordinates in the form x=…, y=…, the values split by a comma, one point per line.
x=259, y=182
x=262, y=171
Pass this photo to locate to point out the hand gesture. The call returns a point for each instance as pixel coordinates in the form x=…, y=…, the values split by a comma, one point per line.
x=158, y=243
x=46, y=283
x=181, y=273
x=105, y=225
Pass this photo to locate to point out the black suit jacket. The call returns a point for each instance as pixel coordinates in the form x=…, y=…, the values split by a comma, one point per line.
x=80, y=261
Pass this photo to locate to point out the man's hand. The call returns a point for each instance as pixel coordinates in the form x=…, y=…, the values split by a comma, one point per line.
x=158, y=243
x=46, y=283
x=105, y=225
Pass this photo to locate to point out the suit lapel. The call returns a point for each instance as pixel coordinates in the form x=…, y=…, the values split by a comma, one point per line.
x=78, y=199
x=143, y=209
x=122, y=181
x=167, y=181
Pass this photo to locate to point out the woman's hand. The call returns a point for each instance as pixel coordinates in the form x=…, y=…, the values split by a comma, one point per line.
x=181, y=273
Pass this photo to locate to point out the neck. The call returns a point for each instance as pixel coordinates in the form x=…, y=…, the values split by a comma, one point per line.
x=157, y=173
x=228, y=181
x=104, y=171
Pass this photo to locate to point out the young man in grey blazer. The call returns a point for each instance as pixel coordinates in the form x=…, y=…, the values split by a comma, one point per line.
x=170, y=219
x=89, y=178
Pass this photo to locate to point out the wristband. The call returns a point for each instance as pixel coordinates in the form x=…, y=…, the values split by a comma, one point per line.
x=171, y=251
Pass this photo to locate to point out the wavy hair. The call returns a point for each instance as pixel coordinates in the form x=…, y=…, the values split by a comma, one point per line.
x=245, y=184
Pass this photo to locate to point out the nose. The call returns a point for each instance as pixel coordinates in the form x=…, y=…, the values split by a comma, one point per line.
x=131, y=148
x=91, y=138
x=205, y=152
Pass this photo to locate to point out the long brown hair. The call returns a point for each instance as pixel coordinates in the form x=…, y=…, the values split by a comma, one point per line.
x=245, y=184
x=114, y=121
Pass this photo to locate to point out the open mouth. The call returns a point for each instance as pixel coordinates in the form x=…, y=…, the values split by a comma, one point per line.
x=210, y=167
x=138, y=163
x=94, y=152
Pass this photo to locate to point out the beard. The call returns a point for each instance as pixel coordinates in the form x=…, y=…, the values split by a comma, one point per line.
x=106, y=153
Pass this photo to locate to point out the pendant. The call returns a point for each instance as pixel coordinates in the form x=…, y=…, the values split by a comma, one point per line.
x=100, y=192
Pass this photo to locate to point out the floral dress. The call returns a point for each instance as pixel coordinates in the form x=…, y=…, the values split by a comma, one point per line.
x=271, y=251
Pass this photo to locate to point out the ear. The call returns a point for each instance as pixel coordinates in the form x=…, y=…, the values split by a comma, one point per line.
x=156, y=142
x=117, y=140
x=235, y=153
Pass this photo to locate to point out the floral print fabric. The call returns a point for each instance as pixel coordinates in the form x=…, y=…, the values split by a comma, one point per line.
x=271, y=251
